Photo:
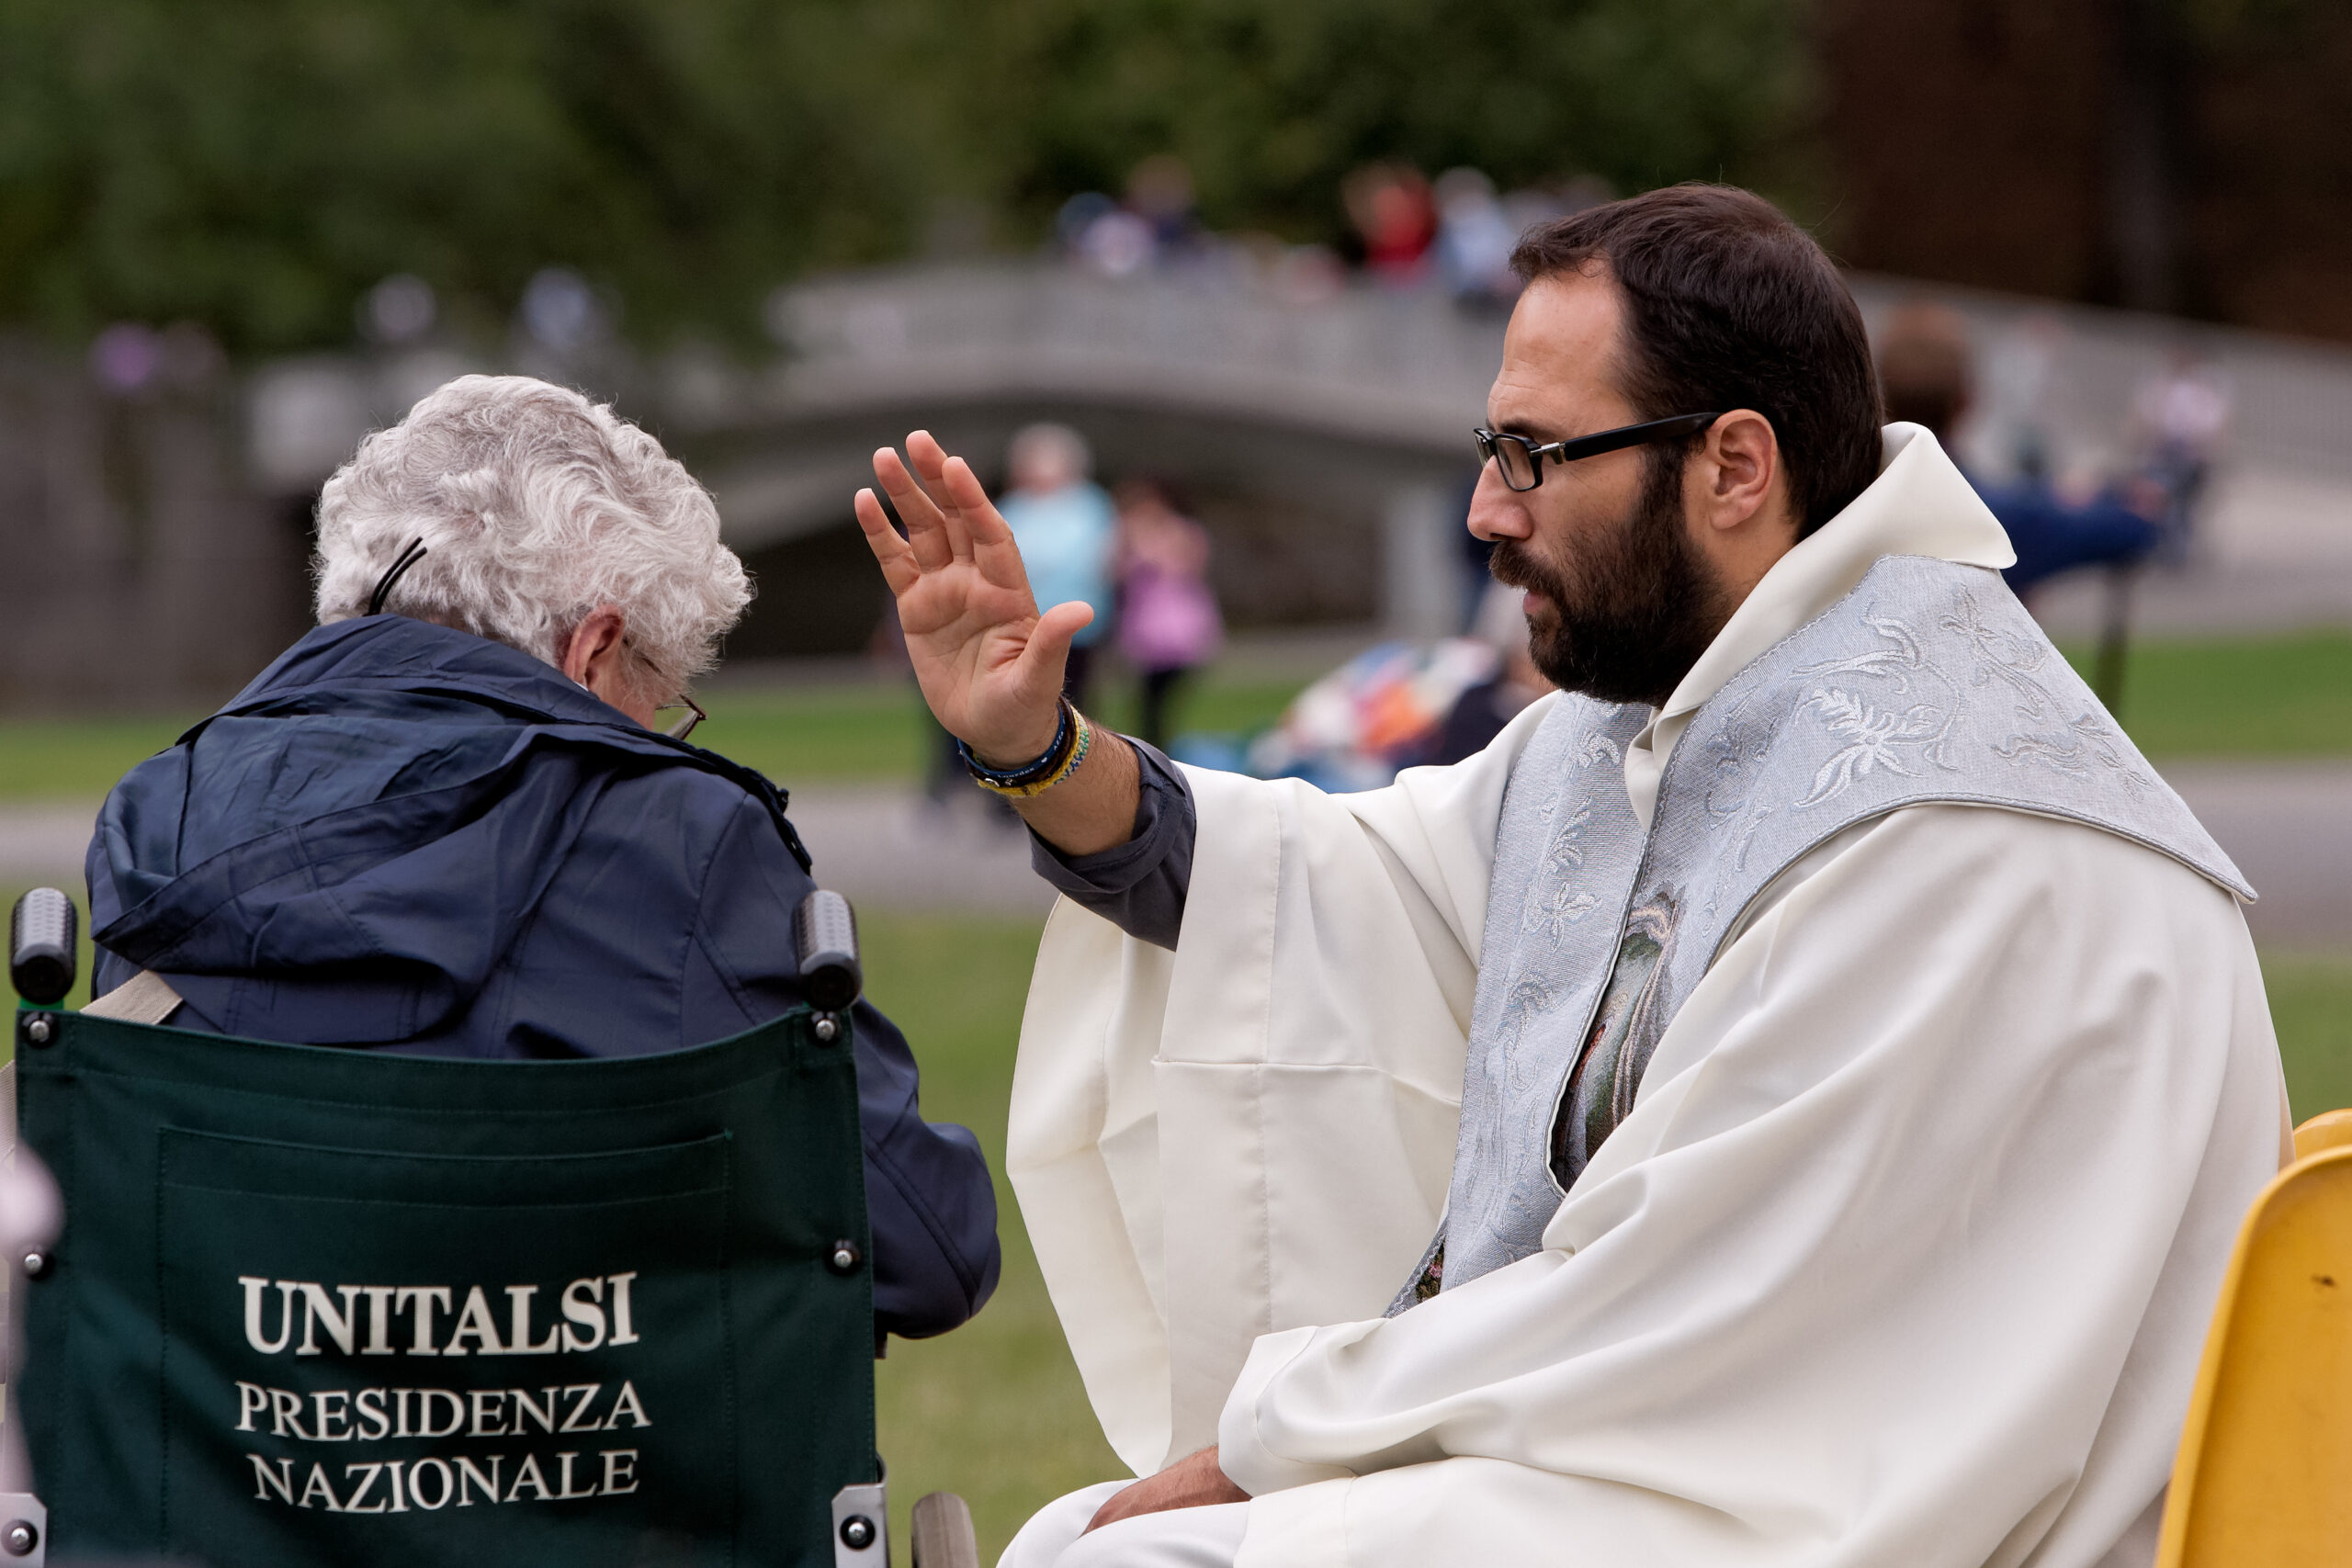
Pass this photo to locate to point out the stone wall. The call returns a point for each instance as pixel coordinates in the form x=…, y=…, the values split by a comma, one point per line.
x=139, y=569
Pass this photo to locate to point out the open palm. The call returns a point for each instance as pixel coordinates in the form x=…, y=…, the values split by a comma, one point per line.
x=990, y=664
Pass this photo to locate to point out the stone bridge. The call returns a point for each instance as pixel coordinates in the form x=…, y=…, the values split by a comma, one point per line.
x=1343, y=422
x=151, y=546
x=1324, y=436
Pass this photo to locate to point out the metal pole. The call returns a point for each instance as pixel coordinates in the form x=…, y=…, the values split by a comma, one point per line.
x=2115, y=638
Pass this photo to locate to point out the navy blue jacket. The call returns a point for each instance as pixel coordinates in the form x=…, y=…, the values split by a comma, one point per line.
x=2051, y=536
x=404, y=837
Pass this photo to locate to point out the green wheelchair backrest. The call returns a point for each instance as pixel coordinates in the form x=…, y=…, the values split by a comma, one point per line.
x=336, y=1306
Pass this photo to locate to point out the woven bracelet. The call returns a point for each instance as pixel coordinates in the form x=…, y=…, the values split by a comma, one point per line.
x=1047, y=762
x=1082, y=741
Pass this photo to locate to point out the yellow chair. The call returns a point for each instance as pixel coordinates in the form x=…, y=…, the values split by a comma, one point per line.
x=2264, y=1473
x=2328, y=1130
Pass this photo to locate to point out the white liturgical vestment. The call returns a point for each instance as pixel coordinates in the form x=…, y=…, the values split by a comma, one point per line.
x=1904, y=1253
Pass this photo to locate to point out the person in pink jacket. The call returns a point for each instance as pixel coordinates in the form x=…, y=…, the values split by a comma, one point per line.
x=1168, y=624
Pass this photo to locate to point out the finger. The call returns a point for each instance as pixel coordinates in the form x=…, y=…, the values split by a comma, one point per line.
x=960, y=489
x=908, y=497
x=891, y=552
x=930, y=461
x=992, y=546
x=926, y=529
x=1047, y=656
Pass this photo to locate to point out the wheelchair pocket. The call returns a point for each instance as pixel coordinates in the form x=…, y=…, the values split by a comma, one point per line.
x=445, y=1358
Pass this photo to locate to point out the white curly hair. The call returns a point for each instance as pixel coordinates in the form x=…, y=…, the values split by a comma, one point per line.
x=535, y=506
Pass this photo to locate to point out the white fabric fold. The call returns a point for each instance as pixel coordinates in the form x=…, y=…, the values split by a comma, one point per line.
x=1292, y=1074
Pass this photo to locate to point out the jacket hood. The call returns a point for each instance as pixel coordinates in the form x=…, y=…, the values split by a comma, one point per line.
x=368, y=825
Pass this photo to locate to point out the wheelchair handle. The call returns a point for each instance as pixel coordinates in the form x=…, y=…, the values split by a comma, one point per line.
x=824, y=931
x=40, y=946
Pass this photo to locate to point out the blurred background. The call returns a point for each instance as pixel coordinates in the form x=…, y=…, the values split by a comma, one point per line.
x=1234, y=272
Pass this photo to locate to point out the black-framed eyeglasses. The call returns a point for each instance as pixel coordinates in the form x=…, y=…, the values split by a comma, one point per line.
x=1520, y=461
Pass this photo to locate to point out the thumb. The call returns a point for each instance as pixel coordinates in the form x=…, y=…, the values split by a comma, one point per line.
x=1043, y=660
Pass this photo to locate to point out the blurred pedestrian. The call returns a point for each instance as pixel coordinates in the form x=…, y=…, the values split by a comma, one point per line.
x=1157, y=226
x=2180, y=416
x=1169, y=624
x=1068, y=533
x=1160, y=192
x=1395, y=217
x=1926, y=371
x=1480, y=714
x=1102, y=236
x=1474, y=237
x=2012, y=410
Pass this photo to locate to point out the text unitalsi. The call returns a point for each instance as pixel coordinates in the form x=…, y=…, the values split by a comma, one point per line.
x=313, y=1319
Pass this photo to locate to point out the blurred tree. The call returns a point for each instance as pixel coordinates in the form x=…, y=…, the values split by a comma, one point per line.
x=1271, y=102
x=257, y=164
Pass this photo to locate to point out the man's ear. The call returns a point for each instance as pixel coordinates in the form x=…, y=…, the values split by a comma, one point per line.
x=1740, y=469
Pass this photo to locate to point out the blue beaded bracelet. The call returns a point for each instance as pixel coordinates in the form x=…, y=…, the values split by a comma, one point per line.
x=1045, y=767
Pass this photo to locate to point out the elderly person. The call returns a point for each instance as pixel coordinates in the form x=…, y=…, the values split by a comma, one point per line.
x=442, y=823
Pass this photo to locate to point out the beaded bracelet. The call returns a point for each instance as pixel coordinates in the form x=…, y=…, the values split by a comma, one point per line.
x=1050, y=767
x=1050, y=770
x=1027, y=772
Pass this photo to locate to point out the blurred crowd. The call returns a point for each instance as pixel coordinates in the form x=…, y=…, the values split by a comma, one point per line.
x=2137, y=502
x=1133, y=554
x=1405, y=232
x=1991, y=388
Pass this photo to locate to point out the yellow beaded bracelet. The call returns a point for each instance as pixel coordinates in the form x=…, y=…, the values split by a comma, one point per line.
x=1082, y=741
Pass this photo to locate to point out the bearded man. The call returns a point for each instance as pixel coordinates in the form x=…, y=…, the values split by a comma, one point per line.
x=1861, y=1063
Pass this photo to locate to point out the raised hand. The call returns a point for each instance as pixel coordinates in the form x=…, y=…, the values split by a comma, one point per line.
x=990, y=664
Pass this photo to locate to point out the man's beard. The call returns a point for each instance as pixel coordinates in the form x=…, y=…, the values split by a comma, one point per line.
x=1635, y=609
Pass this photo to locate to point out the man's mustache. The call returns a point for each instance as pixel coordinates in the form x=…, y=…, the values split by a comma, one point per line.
x=1515, y=566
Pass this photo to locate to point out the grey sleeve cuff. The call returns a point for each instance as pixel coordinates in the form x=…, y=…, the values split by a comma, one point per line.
x=1139, y=886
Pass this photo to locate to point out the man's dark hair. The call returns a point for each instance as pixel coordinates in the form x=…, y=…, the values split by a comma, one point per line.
x=1730, y=305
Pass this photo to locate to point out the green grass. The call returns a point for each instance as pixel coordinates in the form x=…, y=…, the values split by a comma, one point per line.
x=2311, y=1004
x=2282, y=696
x=79, y=759
x=814, y=735
x=994, y=1410
x=794, y=734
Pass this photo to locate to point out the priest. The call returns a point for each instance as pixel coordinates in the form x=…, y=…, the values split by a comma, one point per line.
x=1788, y=1101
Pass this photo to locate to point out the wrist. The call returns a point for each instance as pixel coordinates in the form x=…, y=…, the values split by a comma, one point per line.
x=1020, y=751
x=1063, y=755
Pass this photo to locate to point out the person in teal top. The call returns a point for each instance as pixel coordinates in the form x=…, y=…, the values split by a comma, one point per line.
x=1068, y=531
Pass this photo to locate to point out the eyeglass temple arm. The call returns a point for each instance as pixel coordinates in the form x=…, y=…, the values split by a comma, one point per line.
x=1630, y=436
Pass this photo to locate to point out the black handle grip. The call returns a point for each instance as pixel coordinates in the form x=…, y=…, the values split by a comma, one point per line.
x=40, y=945
x=824, y=930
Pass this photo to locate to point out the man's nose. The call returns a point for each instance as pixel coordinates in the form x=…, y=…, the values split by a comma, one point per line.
x=1495, y=511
